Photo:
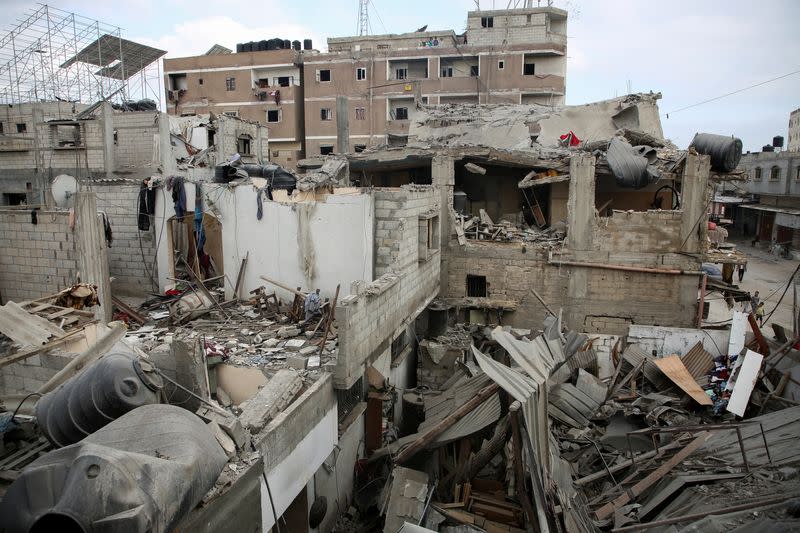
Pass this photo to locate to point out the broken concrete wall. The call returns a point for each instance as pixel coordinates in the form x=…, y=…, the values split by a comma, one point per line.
x=132, y=255
x=295, y=444
x=135, y=143
x=408, y=263
x=36, y=259
x=231, y=129
x=341, y=229
x=667, y=340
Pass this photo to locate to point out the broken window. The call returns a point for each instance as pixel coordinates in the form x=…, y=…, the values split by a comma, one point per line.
x=243, y=145
x=116, y=137
x=447, y=72
x=775, y=173
x=326, y=149
x=22, y=128
x=230, y=84
x=359, y=147
x=473, y=71
x=399, y=344
x=65, y=135
x=476, y=286
x=13, y=198
x=361, y=73
x=273, y=115
x=361, y=113
x=530, y=69
x=283, y=81
x=501, y=64
x=401, y=113
x=487, y=22
x=177, y=82
x=324, y=75
x=757, y=174
x=428, y=236
x=401, y=74
x=325, y=113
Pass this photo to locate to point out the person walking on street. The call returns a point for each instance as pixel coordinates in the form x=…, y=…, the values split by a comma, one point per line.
x=760, y=314
x=742, y=269
x=754, y=301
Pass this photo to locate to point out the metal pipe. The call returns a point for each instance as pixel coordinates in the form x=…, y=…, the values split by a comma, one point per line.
x=627, y=268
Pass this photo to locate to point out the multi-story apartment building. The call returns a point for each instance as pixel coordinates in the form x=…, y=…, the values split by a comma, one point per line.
x=507, y=56
x=264, y=86
x=794, y=131
x=514, y=56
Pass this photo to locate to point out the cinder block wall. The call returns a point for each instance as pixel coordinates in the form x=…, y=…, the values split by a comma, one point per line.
x=29, y=375
x=370, y=316
x=134, y=146
x=35, y=259
x=130, y=266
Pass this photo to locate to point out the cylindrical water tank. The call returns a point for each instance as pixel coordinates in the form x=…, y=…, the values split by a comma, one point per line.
x=239, y=48
x=460, y=202
x=777, y=141
x=271, y=44
x=307, y=44
x=296, y=45
x=767, y=148
x=262, y=45
x=287, y=44
x=115, y=384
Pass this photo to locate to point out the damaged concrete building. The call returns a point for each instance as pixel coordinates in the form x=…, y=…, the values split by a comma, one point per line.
x=488, y=317
x=360, y=93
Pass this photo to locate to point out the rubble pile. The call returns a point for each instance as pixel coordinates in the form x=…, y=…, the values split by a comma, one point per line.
x=525, y=435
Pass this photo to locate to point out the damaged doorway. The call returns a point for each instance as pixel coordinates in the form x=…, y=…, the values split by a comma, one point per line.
x=196, y=244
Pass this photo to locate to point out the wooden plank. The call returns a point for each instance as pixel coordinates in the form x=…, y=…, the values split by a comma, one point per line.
x=24, y=354
x=128, y=310
x=38, y=308
x=674, y=369
x=652, y=478
x=65, y=311
x=745, y=383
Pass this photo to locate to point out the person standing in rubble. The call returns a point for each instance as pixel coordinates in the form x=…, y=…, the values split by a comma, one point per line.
x=760, y=314
x=755, y=299
x=312, y=304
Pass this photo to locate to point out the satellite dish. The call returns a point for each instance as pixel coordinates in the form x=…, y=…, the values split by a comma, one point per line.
x=63, y=189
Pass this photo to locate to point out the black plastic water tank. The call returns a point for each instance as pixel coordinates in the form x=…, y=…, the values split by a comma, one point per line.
x=767, y=148
x=271, y=44
x=117, y=383
x=287, y=44
x=296, y=45
x=307, y=44
x=248, y=47
x=777, y=141
x=262, y=45
x=239, y=48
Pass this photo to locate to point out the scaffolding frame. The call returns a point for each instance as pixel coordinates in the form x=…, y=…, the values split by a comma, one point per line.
x=56, y=55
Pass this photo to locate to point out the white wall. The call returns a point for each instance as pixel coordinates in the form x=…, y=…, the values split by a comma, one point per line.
x=292, y=474
x=341, y=230
x=678, y=341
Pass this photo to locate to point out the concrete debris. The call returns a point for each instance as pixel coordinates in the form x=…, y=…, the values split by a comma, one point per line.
x=273, y=398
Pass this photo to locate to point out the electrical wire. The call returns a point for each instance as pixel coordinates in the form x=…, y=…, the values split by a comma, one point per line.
x=731, y=93
x=788, y=284
x=23, y=401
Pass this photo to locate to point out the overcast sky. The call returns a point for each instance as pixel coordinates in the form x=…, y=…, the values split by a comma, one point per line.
x=688, y=50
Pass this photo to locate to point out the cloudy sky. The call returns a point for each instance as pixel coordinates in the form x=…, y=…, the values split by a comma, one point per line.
x=688, y=50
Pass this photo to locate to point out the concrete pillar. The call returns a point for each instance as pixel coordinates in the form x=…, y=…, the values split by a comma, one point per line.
x=92, y=256
x=694, y=199
x=342, y=125
x=168, y=164
x=443, y=178
x=580, y=203
x=107, y=117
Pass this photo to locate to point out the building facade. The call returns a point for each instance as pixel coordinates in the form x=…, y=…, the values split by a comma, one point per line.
x=775, y=184
x=363, y=91
x=794, y=131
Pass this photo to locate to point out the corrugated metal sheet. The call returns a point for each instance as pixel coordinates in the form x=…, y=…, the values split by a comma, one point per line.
x=437, y=407
x=634, y=355
x=533, y=356
x=25, y=328
x=698, y=362
x=571, y=406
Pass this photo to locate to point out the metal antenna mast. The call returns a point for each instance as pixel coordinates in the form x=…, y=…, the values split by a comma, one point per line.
x=363, y=17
